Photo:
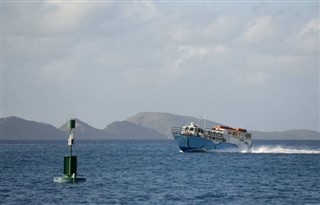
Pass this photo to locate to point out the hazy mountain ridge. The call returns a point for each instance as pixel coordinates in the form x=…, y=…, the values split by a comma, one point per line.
x=85, y=131
x=14, y=128
x=144, y=125
x=163, y=122
x=128, y=130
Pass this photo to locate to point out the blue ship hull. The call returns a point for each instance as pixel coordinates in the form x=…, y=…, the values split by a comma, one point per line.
x=193, y=143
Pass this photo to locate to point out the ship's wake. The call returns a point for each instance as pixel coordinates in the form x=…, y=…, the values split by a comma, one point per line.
x=282, y=150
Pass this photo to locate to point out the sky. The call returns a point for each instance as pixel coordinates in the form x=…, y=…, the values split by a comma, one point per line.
x=251, y=64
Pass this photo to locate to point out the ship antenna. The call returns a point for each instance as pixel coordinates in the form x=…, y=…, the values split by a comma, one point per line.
x=204, y=121
x=199, y=120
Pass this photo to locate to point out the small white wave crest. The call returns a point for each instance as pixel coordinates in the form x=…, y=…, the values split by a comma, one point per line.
x=283, y=150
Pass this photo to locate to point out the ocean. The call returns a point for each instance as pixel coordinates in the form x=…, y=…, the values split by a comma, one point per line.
x=155, y=172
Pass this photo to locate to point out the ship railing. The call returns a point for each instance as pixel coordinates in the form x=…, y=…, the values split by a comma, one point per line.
x=216, y=137
x=176, y=130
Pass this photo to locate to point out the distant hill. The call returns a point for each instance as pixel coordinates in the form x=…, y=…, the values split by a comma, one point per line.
x=128, y=130
x=144, y=125
x=85, y=131
x=163, y=122
x=14, y=128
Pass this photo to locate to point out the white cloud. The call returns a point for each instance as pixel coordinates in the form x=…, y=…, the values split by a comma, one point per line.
x=310, y=28
x=259, y=29
x=307, y=39
x=48, y=18
x=62, y=16
x=179, y=66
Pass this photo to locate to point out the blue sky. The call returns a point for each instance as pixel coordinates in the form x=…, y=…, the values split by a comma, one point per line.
x=247, y=64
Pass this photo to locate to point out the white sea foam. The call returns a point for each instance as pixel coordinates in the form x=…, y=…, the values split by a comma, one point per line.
x=283, y=150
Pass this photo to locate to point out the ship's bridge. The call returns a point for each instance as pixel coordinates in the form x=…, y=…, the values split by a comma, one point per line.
x=192, y=129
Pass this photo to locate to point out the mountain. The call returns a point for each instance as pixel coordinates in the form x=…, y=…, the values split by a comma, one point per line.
x=14, y=128
x=163, y=122
x=144, y=125
x=128, y=130
x=85, y=131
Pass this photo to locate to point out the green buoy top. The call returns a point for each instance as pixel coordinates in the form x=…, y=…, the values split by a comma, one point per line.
x=72, y=124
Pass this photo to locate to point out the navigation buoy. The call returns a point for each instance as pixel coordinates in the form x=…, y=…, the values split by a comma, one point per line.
x=70, y=162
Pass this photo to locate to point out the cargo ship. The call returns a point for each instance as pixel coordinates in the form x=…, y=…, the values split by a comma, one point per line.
x=192, y=138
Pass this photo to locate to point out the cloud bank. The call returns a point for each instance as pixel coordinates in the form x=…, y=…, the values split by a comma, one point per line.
x=254, y=65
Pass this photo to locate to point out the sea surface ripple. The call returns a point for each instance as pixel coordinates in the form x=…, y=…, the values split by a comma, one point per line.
x=155, y=172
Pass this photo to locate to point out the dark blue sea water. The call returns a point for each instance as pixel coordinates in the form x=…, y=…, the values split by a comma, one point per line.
x=155, y=172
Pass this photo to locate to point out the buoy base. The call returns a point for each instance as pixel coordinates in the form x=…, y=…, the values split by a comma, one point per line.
x=68, y=179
